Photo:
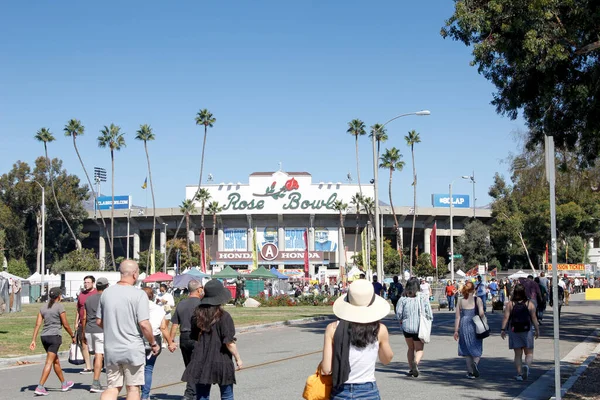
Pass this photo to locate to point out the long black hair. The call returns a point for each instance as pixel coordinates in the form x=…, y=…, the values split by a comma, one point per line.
x=413, y=286
x=205, y=316
x=362, y=335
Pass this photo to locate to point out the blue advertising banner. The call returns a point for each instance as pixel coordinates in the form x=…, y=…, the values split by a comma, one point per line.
x=443, y=200
x=121, y=202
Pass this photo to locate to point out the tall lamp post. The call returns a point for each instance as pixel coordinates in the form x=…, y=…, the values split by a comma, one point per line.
x=43, y=211
x=472, y=179
x=378, y=251
x=165, y=249
x=451, y=236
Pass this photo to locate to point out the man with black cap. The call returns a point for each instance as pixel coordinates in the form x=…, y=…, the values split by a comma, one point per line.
x=182, y=319
x=93, y=335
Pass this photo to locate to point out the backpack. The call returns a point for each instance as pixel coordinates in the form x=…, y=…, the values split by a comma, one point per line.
x=520, y=319
x=395, y=291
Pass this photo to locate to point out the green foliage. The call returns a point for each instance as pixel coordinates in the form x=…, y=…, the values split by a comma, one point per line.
x=391, y=259
x=84, y=260
x=474, y=246
x=2, y=242
x=18, y=268
x=542, y=56
x=159, y=261
x=180, y=244
x=287, y=301
x=424, y=267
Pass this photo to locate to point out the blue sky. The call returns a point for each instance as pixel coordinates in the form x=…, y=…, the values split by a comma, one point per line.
x=282, y=79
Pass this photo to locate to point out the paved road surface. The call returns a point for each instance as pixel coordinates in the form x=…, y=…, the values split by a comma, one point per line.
x=278, y=360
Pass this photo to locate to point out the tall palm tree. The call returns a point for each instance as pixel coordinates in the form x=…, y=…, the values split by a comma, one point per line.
x=357, y=128
x=187, y=208
x=356, y=201
x=145, y=134
x=214, y=208
x=411, y=139
x=380, y=133
x=341, y=207
x=112, y=137
x=203, y=117
x=45, y=136
x=369, y=205
x=202, y=196
x=73, y=129
x=392, y=160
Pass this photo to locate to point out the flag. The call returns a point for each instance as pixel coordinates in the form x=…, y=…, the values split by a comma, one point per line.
x=254, y=251
x=546, y=260
x=433, y=245
x=473, y=271
x=145, y=185
x=306, y=253
x=202, y=251
x=494, y=272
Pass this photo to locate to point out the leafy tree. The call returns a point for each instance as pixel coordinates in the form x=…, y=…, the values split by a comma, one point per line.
x=392, y=160
x=145, y=134
x=84, y=260
x=192, y=260
x=2, y=242
x=111, y=137
x=391, y=259
x=424, y=267
x=144, y=261
x=474, y=246
x=18, y=267
x=357, y=128
x=411, y=139
x=542, y=56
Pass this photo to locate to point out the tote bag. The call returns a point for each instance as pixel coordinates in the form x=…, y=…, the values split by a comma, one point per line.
x=424, y=323
x=482, y=329
x=75, y=354
x=318, y=387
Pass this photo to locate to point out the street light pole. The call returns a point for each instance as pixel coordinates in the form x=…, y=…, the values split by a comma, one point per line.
x=472, y=179
x=451, y=237
x=165, y=251
x=378, y=251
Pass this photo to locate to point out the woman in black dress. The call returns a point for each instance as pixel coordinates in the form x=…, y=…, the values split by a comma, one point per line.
x=214, y=332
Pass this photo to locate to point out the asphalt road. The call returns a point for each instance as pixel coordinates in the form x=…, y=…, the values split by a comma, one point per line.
x=278, y=360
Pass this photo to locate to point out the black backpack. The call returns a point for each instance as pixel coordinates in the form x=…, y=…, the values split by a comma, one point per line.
x=520, y=319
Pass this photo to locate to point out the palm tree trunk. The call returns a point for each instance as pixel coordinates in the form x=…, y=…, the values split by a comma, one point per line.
x=356, y=232
x=152, y=193
x=412, y=234
x=396, y=225
x=212, y=240
x=358, y=169
x=87, y=176
x=77, y=242
x=187, y=237
x=112, y=209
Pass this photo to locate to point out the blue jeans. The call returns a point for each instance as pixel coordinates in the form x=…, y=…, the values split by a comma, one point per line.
x=365, y=391
x=450, y=302
x=148, y=369
x=203, y=392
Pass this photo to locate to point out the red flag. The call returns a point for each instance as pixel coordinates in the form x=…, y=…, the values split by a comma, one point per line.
x=547, y=259
x=202, y=251
x=306, y=253
x=433, y=245
x=494, y=272
x=473, y=271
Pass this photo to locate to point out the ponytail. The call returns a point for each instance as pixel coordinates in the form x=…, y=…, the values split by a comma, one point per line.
x=51, y=302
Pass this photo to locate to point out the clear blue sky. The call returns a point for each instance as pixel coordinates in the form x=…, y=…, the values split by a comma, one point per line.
x=282, y=79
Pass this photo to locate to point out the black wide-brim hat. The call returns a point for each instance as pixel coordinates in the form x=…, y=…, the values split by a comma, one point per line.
x=215, y=293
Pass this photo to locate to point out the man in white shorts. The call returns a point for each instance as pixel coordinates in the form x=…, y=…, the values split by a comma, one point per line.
x=123, y=313
x=93, y=334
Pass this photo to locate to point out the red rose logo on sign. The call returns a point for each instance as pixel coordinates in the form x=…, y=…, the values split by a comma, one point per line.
x=290, y=185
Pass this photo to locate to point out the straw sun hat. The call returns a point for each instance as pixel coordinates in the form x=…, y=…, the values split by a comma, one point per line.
x=361, y=304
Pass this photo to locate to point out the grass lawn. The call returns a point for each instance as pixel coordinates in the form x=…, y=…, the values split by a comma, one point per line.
x=16, y=328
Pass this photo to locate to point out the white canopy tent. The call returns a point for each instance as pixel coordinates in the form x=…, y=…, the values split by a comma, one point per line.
x=518, y=274
x=461, y=273
x=6, y=275
x=37, y=278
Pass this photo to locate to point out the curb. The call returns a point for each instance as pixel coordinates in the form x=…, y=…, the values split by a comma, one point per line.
x=578, y=372
x=12, y=362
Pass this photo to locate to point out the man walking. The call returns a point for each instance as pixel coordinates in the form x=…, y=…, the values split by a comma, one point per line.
x=481, y=292
x=182, y=319
x=123, y=313
x=93, y=334
x=88, y=290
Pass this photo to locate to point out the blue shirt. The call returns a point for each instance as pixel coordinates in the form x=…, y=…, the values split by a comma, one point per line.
x=480, y=286
x=493, y=288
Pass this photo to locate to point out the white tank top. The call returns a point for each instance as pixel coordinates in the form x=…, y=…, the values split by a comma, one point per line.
x=362, y=363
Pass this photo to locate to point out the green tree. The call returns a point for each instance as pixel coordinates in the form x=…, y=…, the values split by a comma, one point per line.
x=391, y=259
x=145, y=134
x=356, y=202
x=474, y=245
x=424, y=267
x=144, y=261
x=357, y=128
x=84, y=260
x=192, y=260
x=392, y=160
x=380, y=133
x=187, y=208
x=542, y=56
x=411, y=139
x=2, y=244
x=112, y=138
x=18, y=267
x=45, y=136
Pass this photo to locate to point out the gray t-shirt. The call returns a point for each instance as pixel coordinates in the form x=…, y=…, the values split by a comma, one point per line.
x=91, y=308
x=184, y=312
x=52, y=323
x=121, y=309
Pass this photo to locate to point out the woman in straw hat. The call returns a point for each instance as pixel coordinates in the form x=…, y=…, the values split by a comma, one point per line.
x=353, y=344
x=214, y=331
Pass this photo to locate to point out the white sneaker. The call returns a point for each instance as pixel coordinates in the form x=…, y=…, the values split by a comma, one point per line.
x=525, y=372
x=519, y=378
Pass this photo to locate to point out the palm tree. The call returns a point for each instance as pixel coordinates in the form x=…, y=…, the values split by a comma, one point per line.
x=74, y=128
x=45, y=136
x=111, y=137
x=411, y=139
x=187, y=207
x=356, y=201
x=204, y=117
x=380, y=135
x=145, y=134
x=357, y=128
x=341, y=207
x=392, y=160
x=214, y=208
x=369, y=205
x=202, y=196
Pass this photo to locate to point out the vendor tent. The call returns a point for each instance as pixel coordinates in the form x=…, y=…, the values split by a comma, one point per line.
x=158, y=277
x=354, y=271
x=6, y=275
x=518, y=274
x=262, y=273
x=279, y=274
x=196, y=273
x=181, y=281
x=460, y=273
x=226, y=273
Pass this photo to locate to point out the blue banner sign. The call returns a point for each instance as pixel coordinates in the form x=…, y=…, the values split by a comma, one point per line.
x=443, y=200
x=121, y=202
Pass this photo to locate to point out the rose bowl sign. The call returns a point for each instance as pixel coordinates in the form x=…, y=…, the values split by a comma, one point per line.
x=280, y=193
x=268, y=253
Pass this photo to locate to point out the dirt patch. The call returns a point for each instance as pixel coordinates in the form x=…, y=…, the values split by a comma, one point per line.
x=587, y=386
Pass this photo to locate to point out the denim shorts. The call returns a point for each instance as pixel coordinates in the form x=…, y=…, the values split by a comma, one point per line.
x=365, y=391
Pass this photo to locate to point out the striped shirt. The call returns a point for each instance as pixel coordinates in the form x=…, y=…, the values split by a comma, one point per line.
x=407, y=311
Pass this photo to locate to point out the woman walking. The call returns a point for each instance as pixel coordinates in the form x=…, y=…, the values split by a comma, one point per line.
x=54, y=318
x=520, y=321
x=214, y=332
x=464, y=329
x=353, y=344
x=408, y=311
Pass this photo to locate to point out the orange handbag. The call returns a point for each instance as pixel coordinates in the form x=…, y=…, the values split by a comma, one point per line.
x=318, y=387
